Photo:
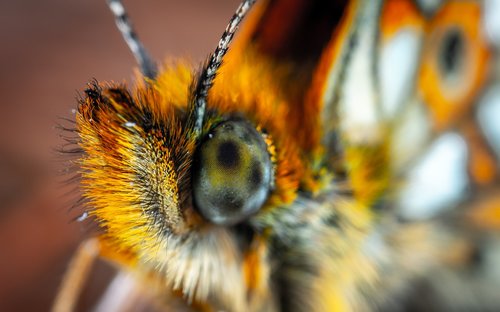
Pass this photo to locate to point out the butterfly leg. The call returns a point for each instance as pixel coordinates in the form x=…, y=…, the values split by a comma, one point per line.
x=76, y=276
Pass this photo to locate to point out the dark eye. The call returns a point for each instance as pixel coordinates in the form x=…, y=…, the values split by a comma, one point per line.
x=232, y=173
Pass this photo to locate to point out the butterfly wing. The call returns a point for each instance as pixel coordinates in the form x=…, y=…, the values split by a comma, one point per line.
x=400, y=107
x=418, y=151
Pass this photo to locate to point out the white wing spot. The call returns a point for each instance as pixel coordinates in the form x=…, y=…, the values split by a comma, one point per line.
x=491, y=21
x=489, y=117
x=438, y=181
x=398, y=65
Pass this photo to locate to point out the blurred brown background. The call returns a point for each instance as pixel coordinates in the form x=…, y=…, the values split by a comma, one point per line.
x=49, y=50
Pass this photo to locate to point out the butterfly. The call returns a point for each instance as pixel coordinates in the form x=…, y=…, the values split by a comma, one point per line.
x=337, y=156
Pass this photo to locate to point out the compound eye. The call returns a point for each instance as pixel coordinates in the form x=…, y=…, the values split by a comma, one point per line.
x=232, y=173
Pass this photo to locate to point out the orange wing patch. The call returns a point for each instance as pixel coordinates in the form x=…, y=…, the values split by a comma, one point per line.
x=455, y=62
x=397, y=15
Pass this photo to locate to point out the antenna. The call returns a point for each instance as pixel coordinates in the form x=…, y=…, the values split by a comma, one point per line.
x=148, y=66
x=209, y=71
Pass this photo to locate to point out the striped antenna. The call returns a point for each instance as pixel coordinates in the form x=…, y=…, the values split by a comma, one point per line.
x=209, y=72
x=148, y=67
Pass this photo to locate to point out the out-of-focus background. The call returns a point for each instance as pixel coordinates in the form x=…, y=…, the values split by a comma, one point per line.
x=49, y=50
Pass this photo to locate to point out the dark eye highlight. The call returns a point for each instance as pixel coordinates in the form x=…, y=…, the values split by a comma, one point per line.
x=232, y=173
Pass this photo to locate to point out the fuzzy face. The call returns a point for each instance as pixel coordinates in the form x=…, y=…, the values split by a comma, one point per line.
x=148, y=189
